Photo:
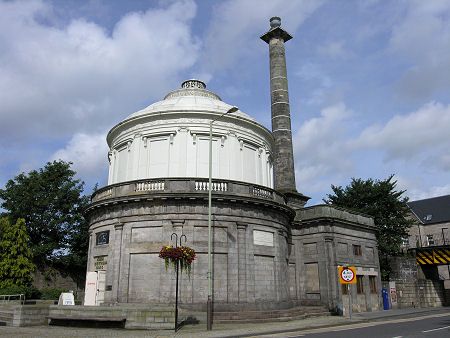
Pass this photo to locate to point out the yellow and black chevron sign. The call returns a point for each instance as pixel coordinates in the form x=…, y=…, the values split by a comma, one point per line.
x=433, y=256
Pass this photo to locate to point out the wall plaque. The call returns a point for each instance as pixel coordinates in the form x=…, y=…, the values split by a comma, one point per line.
x=262, y=238
x=100, y=263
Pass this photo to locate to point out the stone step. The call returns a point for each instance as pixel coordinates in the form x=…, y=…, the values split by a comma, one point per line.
x=279, y=315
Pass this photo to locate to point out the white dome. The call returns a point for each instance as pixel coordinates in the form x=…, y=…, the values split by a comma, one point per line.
x=170, y=138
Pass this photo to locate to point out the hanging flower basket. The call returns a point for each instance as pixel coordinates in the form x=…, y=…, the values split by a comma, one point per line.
x=181, y=254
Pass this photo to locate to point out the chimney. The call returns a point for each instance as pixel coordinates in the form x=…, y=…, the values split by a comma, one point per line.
x=283, y=167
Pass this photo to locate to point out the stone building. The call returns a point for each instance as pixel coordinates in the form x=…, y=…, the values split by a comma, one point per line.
x=269, y=251
x=430, y=235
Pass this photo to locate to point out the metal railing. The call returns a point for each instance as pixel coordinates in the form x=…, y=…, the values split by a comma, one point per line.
x=427, y=240
x=8, y=298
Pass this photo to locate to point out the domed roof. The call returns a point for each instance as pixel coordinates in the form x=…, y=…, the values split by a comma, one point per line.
x=192, y=97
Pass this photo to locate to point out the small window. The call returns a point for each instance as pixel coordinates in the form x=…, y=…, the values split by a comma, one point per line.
x=102, y=238
x=373, y=284
x=344, y=289
x=430, y=240
x=405, y=241
x=360, y=284
x=357, y=250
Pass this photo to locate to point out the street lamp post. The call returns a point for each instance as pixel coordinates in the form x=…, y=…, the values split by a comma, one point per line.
x=209, y=303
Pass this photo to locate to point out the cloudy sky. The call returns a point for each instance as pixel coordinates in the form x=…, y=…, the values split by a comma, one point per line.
x=369, y=81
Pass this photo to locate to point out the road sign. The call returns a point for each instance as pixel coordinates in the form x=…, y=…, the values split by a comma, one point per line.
x=347, y=275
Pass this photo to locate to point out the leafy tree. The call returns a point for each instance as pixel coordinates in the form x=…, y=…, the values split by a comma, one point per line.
x=51, y=202
x=16, y=268
x=379, y=199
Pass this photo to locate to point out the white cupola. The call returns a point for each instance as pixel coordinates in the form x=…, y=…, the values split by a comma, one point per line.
x=170, y=138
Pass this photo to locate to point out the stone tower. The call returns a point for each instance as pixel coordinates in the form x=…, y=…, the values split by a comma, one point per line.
x=284, y=172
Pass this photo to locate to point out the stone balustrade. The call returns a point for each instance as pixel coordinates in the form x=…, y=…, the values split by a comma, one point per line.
x=186, y=187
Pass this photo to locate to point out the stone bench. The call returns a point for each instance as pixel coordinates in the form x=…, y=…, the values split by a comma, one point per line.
x=116, y=322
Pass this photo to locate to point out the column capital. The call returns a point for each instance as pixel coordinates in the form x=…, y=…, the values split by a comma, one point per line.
x=276, y=32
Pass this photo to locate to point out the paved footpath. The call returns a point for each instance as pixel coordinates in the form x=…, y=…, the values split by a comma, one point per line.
x=221, y=330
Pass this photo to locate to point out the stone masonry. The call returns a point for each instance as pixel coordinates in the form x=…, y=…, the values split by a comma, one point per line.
x=284, y=174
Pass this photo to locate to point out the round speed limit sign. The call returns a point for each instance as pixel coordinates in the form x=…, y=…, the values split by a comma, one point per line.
x=347, y=275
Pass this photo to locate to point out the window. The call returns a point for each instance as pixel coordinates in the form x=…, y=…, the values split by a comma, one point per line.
x=405, y=241
x=357, y=250
x=373, y=284
x=102, y=238
x=430, y=240
x=360, y=284
x=344, y=289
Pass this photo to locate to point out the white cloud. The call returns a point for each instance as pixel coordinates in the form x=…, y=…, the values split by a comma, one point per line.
x=423, y=39
x=417, y=189
x=56, y=81
x=417, y=135
x=236, y=23
x=333, y=49
x=321, y=149
x=87, y=152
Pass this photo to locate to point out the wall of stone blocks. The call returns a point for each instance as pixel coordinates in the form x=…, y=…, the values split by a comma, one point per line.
x=419, y=293
x=320, y=245
x=246, y=275
x=137, y=317
x=25, y=315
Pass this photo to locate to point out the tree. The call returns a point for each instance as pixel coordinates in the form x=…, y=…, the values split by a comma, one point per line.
x=16, y=267
x=52, y=203
x=380, y=200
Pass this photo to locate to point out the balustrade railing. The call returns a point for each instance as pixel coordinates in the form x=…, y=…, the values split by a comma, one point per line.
x=186, y=186
x=260, y=192
x=215, y=186
x=149, y=186
x=104, y=194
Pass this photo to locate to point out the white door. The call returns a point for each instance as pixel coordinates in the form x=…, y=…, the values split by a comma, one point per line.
x=90, y=291
x=101, y=283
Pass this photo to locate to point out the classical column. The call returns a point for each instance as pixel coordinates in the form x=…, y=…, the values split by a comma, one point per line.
x=283, y=164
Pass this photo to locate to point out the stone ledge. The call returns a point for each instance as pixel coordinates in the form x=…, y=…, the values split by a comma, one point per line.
x=321, y=211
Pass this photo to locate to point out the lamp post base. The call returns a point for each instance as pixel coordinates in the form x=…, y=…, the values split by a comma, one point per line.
x=209, y=314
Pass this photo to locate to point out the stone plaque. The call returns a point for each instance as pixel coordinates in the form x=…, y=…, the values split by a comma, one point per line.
x=66, y=298
x=262, y=238
x=100, y=263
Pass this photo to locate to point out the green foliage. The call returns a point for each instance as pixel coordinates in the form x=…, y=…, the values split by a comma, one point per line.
x=30, y=292
x=52, y=293
x=52, y=203
x=16, y=268
x=379, y=199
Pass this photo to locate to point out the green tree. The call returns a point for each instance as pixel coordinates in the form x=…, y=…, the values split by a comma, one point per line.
x=381, y=200
x=52, y=203
x=16, y=268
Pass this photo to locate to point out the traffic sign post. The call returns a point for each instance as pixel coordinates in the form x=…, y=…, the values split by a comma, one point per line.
x=347, y=275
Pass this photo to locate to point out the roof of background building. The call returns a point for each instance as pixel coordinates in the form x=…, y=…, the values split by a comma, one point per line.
x=432, y=210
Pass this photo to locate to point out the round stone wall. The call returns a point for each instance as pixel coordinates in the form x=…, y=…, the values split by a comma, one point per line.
x=250, y=243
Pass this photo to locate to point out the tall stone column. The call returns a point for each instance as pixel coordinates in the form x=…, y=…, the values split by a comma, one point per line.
x=283, y=166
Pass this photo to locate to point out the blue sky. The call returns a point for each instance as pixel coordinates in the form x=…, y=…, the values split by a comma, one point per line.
x=369, y=81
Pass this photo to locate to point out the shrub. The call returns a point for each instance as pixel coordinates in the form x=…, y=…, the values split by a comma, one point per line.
x=30, y=291
x=51, y=293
